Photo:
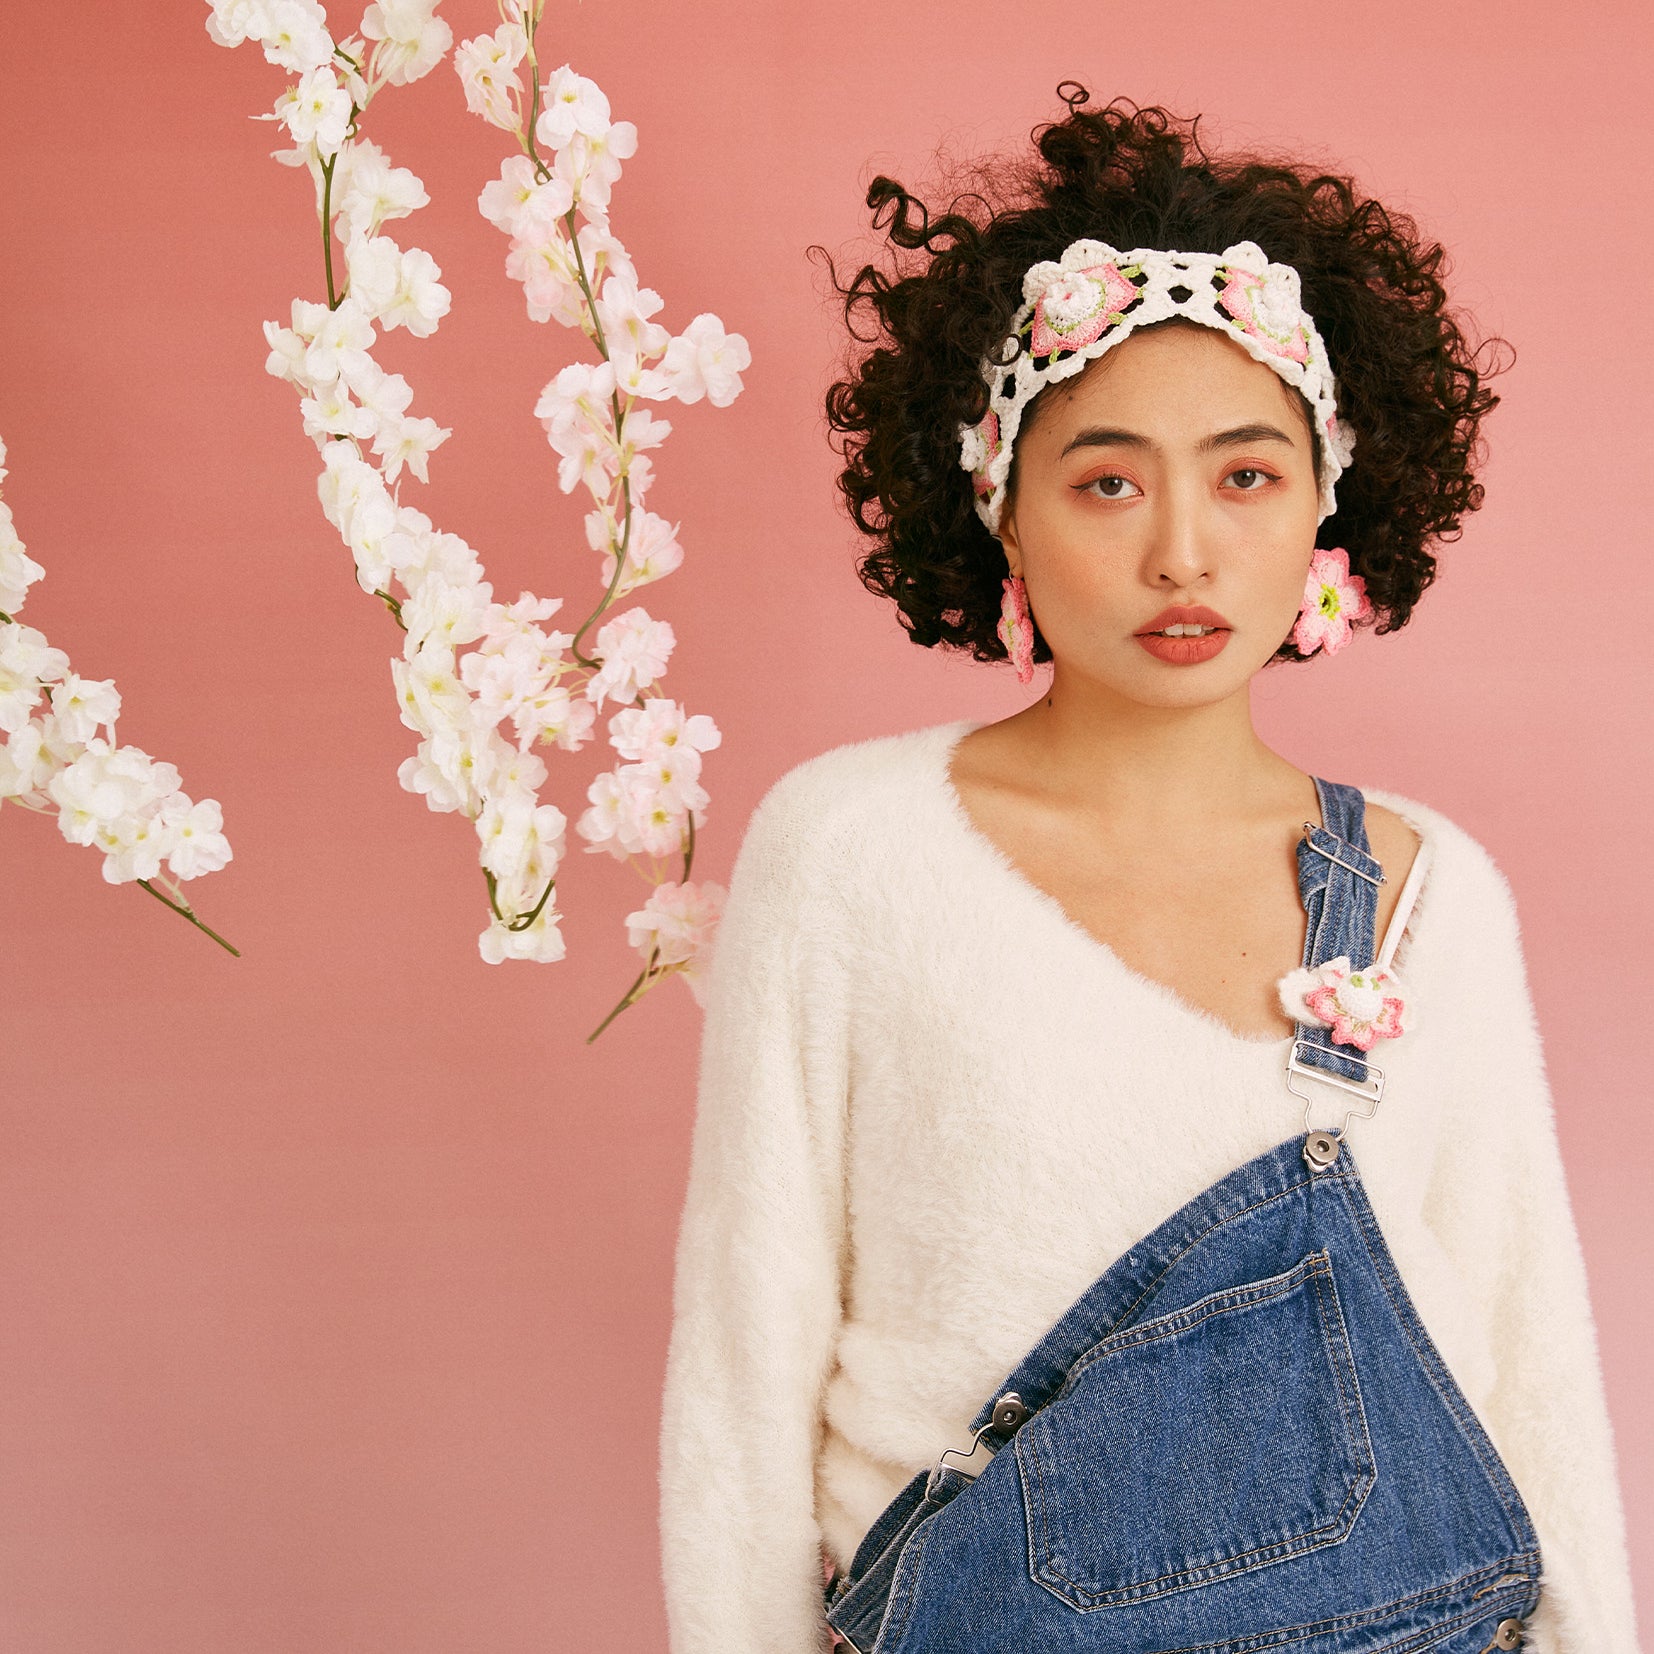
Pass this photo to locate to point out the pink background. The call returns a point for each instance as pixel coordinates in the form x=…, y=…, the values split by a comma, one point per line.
x=334, y=1280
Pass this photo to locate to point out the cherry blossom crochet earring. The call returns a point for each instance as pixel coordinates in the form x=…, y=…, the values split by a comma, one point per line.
x=1016, y=627
x=1333, y=599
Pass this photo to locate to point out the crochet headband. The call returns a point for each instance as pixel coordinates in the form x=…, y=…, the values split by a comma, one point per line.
x=1079, y=306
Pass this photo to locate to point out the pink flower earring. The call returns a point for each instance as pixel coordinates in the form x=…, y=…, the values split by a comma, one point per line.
x=1333, y=599
x=1016, y=627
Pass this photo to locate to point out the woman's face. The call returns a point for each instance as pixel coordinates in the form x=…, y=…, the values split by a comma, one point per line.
x=1175, y=470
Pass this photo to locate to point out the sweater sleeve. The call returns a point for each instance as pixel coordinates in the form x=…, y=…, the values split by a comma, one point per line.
x=1500, y=1203
x=756, y=1298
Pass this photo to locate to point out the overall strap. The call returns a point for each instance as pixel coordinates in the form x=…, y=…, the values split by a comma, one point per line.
x=1338, y=880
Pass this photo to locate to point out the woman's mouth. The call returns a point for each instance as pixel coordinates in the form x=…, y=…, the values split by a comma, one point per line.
x=1185, y=635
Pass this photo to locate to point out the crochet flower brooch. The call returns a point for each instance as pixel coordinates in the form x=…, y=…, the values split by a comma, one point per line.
x=1360, y=1007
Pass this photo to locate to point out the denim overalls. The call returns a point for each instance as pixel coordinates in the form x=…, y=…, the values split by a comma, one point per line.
x=1240, y=1438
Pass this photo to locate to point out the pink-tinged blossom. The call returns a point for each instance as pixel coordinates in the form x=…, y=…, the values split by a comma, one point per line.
x=630, y=815
x=487, y=68
x=634, y=651
x=591, y=166
x=1333, y=600
x=660, y=727
x=1360, y=1007
x=652, y=551
x=678, y=925
x=705, y=361
x=409, y=40
x=553, y=716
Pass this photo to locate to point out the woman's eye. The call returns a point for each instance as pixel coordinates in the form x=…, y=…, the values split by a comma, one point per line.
x=1250, y=479
x=1112, y=488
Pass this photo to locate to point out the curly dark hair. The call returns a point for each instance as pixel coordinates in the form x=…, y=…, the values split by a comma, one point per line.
x=1411, y=384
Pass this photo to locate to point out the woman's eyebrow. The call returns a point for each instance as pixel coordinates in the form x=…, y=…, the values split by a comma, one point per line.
x=1112, y=436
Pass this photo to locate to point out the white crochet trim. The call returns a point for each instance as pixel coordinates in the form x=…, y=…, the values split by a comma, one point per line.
x=1078, y=291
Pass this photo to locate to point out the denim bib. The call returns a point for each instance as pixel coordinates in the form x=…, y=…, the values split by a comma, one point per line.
x=1240, y=1438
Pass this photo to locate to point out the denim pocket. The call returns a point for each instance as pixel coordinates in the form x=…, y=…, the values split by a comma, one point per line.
x=1219, y=1438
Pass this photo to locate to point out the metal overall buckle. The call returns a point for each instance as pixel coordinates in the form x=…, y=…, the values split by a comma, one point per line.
x=1321, y=1145
x=1009, y=1412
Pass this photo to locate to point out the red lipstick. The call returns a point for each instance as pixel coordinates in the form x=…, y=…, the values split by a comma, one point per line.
x=1191, y=648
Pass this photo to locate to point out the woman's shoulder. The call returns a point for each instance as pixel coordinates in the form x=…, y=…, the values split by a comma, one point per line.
x=1460, y=871
x=854, y=789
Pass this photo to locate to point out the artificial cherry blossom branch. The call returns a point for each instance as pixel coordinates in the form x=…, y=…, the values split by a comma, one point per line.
x=54, y=761
x=582, y=276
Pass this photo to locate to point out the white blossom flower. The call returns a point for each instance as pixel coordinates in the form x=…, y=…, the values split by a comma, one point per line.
x=197, y=844
x=634, y=650
x=408, y=442
x=570, y=104
x=316, y=109
x=339, y=346
x=25, y=764
x=106, y=788
x=232, y=21
x=487, y=70
x=18, y=570
x=81, y=705
x=332, y=411
x=705, y=361
x=368, y=190
x=294, y=34
x=445, y=613
x=429, y=692
x=398, y=287
x=410, y=41
x=27, y=662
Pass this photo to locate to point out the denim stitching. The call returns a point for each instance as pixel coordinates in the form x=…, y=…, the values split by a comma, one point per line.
x=1305, y=1271
x=1349, y=1622
x=1443, y=1382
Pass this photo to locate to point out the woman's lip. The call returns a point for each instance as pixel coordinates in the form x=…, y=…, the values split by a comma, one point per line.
x=1184, y=651
x=1185, y=614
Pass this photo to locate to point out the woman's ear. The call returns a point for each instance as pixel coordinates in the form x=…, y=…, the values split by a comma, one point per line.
x=1008, y=537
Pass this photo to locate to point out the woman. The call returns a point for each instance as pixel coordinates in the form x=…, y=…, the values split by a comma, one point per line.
x=1049, y=1268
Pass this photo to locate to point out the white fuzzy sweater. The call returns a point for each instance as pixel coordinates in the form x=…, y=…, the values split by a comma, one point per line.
x=933, y=1109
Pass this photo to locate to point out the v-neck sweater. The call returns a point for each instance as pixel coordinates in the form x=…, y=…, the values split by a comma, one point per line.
x=932, y=1109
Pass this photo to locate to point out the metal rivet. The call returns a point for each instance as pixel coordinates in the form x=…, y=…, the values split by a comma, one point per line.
x=1320, y=1149
x=1009, y=1412
x=1509, y=1634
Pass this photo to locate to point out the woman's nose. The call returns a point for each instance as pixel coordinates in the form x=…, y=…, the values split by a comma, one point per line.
x=1179, y=552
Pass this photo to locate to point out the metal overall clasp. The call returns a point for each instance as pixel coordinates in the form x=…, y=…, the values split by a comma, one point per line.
x=1320, y=1145
x=1008, y=1414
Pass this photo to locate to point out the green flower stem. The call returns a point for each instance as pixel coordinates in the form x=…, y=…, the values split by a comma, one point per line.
x=189, y=913
x=632, y=995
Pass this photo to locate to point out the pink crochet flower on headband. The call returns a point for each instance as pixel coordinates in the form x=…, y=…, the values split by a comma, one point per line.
x=1266, y=308
x=1077, y=308
x=1333, y=599
x=1359, y=1007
